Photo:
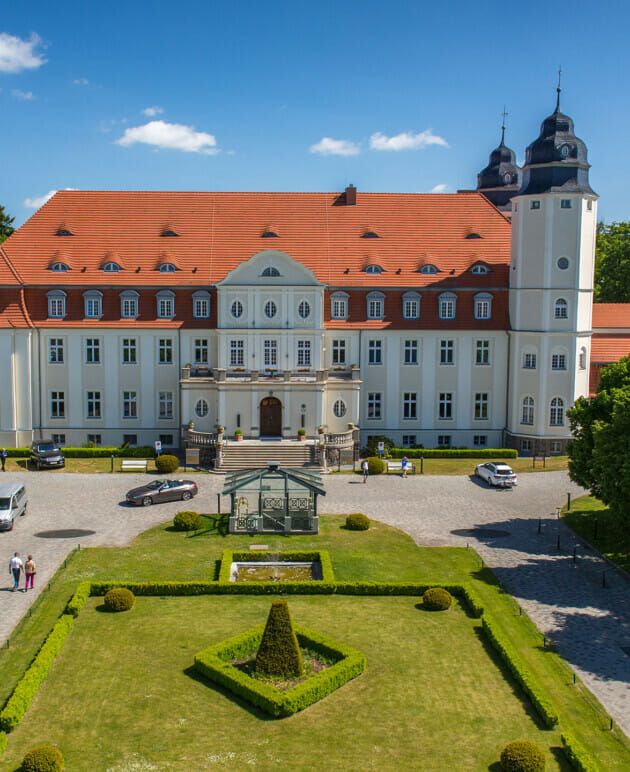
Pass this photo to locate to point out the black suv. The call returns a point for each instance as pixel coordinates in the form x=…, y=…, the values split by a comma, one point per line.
x=46, y=455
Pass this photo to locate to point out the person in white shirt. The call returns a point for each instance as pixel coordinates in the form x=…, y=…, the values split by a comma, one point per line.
x=16, y=567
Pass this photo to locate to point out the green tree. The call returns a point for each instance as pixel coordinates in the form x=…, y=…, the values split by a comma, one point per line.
x=612, y=263
x=279, y=651
x=6, y=227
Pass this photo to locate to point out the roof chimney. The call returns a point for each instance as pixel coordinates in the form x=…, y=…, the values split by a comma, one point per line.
x=351, y=195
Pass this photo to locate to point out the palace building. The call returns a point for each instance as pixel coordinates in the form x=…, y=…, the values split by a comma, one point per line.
x=460, y=319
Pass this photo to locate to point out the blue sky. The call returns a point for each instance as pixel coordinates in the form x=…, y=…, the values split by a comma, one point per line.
x=397, y=96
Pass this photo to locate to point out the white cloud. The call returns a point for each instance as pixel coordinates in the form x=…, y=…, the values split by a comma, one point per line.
x=25, y=96
x=80, y=81
x=407, y=140
x=17, y=54
x=329, y=146
x=174, y=136
x=441, y=188
x=36, y=203
x=153, y=111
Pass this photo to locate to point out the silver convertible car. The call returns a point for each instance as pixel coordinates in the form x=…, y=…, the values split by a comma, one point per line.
x=496, y=475
x=162, y=490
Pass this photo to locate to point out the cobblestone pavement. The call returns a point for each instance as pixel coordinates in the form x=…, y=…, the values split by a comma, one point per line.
x=587, y=622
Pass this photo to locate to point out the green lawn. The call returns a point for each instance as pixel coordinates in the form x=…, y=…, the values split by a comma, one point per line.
x=433, y=696
x=613, y=539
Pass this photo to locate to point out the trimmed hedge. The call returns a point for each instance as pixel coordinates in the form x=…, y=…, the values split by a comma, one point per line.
x=187, y=521
x=454, y=453
x=213, y=663
x=279, y=653
x=139, y=452
x=523, y=756
x=119, y=599
x=437, y=599
x=376, y=465
x=28, y=685
x=77, y=601
x=229, y=556
x=357, y=522
x=46, y=758
x=521, y=673
x=577, y=756
x=3, y=742
x=166, y=464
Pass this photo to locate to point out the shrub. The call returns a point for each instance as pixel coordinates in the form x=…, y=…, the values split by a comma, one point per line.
x=187, y=521
x=77, y=601
x=437, y=599
x=453, y=453
x=119, y=599
x=166, y=464
x=357, y=522
x=301, y=432
x=279, y=652
x=46, y=758
x=523, y=756
x=376, y=465
x=371, y=447
x=577, y=755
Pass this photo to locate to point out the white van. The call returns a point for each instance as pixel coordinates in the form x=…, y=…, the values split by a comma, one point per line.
x=13, y=503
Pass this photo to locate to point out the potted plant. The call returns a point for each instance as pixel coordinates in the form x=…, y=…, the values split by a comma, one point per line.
x=321, y=429
x=238, y=435
x=302, y=435
x=191, y=425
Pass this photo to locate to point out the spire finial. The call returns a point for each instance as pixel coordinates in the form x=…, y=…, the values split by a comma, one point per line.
x=505, y=115
x=558, y=89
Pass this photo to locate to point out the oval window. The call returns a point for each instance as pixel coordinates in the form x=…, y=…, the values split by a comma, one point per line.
x=270, y=309
x=563, y=263
x=237, y=309
x=304, y=309
x=201, y=408
x=339, y=408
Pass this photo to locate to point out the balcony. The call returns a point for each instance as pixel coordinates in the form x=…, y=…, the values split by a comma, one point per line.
x=241, y=375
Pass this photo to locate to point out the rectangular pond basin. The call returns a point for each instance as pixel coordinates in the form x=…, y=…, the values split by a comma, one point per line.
x=278, y=571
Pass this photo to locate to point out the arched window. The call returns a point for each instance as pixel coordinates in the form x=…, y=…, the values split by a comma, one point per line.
x=411, y=305
x=339, y=408
x=373, y=269
x=529, y=359
x=479, y=268
x=474, y=236
x=56, y=304
x=59, y=268
x=167, y=268
x=201, y=408
x=269, y=235
x=583, y=358
x=271, y=309
x=168, y=232
x=237, y=309
x=370, y=235
x=429, y=268
x=527, y=414
x=561, y=309
x=446, y=305
x=93, y=301
x=375, y=305
x=556, y=412
x=111, y=267
x=304, y=309
x=339, y=305
x=270, y=270
x=483, y=306
x=61, y=231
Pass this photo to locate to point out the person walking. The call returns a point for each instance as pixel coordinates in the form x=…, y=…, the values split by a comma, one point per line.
x=30, y=571
x=3, y=458
x=364, y=467
x=404, y=463
x=16, y=567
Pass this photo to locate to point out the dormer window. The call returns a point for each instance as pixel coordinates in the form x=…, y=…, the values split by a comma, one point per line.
x=483, y=306
x=168, y=232
x=63, y=232
x=165, y=305
x=373, y=269
x=167, y=268
x=375, y=305
x=59, y=268
x=474, y=235
x=447, y=304
x=56, y=304
x=268, y=234
x=111, y=267
x=480, y=268
x=429, y=268
x=129, y=304
x=411, y=305
x=270, y=271
x=201, y=305
x=93, y=301
x=339, y=305
x=370, y=235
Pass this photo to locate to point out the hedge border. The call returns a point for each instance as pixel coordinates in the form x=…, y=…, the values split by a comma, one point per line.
x=230, y=556
x=138, y=452
x=577, y=755
x=521, y=673
x=454, y=453
x=213, y=664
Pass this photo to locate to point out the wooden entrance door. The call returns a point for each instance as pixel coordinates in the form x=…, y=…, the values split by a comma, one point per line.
x=270, y=417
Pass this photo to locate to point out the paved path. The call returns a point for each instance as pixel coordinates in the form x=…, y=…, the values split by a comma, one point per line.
x=587, y=623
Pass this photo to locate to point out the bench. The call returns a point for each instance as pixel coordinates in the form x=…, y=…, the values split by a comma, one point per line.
x=133, y=465
x=395, y=465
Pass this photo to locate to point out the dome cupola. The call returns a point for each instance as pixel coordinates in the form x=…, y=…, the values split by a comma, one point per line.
x=501, y=178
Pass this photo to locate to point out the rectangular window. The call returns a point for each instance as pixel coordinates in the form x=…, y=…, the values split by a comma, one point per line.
x=411, y=309
x=304, y=353
x=201, y=308
x=165, y=351
x=57, y=404
x=447, y=308
x=558, y=362
x=55, y=351
x=410, y=405
x=375, y=352
x=444, y=440
x=130, y=439
x=445, y=410
x=94, y=440
x=129, y=404
x=526, y=446
x=408, y=440
x=93, y=404
x=481, y=406
x=129, y=307
x=482, y=309
x=447, y=352
x=166, y=439
x=527, y=411
x=375, y=308
x=374, y=404
x=165, y=308
x=93, y=307
x=339, y=308
x=555, y=448
x=59, y=439
x=482, y=352
x=535, y=205
x=565, y=203
x=165, y=399
x=339, y=352
x=93, y=351
x=201, y=351
x=57, y=307
x=529, y=361
x=589, y=205
x=411, y=352
x=270, y=351
x=480, y=440
x=129, y=351
x=237, y=353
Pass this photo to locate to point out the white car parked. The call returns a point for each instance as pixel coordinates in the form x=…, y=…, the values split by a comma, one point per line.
x=496, y=475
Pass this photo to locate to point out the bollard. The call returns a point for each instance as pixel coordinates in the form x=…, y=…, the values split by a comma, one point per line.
x=421, y=464
x=558, y=543
x=111, y=468
x=540, y=525
x=218, y=503
x=574, y=554
x=595, y=523
x=544, y=642
x=568, y=501
x=520, y=611
x=79, y=547
x=612, y=724
x=574, y=679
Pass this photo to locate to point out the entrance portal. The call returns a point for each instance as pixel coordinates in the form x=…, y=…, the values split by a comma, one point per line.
x=270, y=417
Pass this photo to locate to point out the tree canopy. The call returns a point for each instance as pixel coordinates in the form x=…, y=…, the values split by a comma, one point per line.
x=6, y=227
x=599, y=454
x=612, y=263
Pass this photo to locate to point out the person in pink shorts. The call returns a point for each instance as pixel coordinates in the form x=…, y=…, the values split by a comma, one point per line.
x=29, y=570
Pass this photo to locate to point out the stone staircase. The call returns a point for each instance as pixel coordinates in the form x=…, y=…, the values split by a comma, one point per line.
x=255, y=454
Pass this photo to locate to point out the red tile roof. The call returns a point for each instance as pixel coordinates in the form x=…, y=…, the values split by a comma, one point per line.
x=218, y=231
x=13, y=311
x=610, y=315
x=609, y=348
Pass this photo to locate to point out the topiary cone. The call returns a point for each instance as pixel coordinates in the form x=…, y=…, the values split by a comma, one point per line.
x=279, y=652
